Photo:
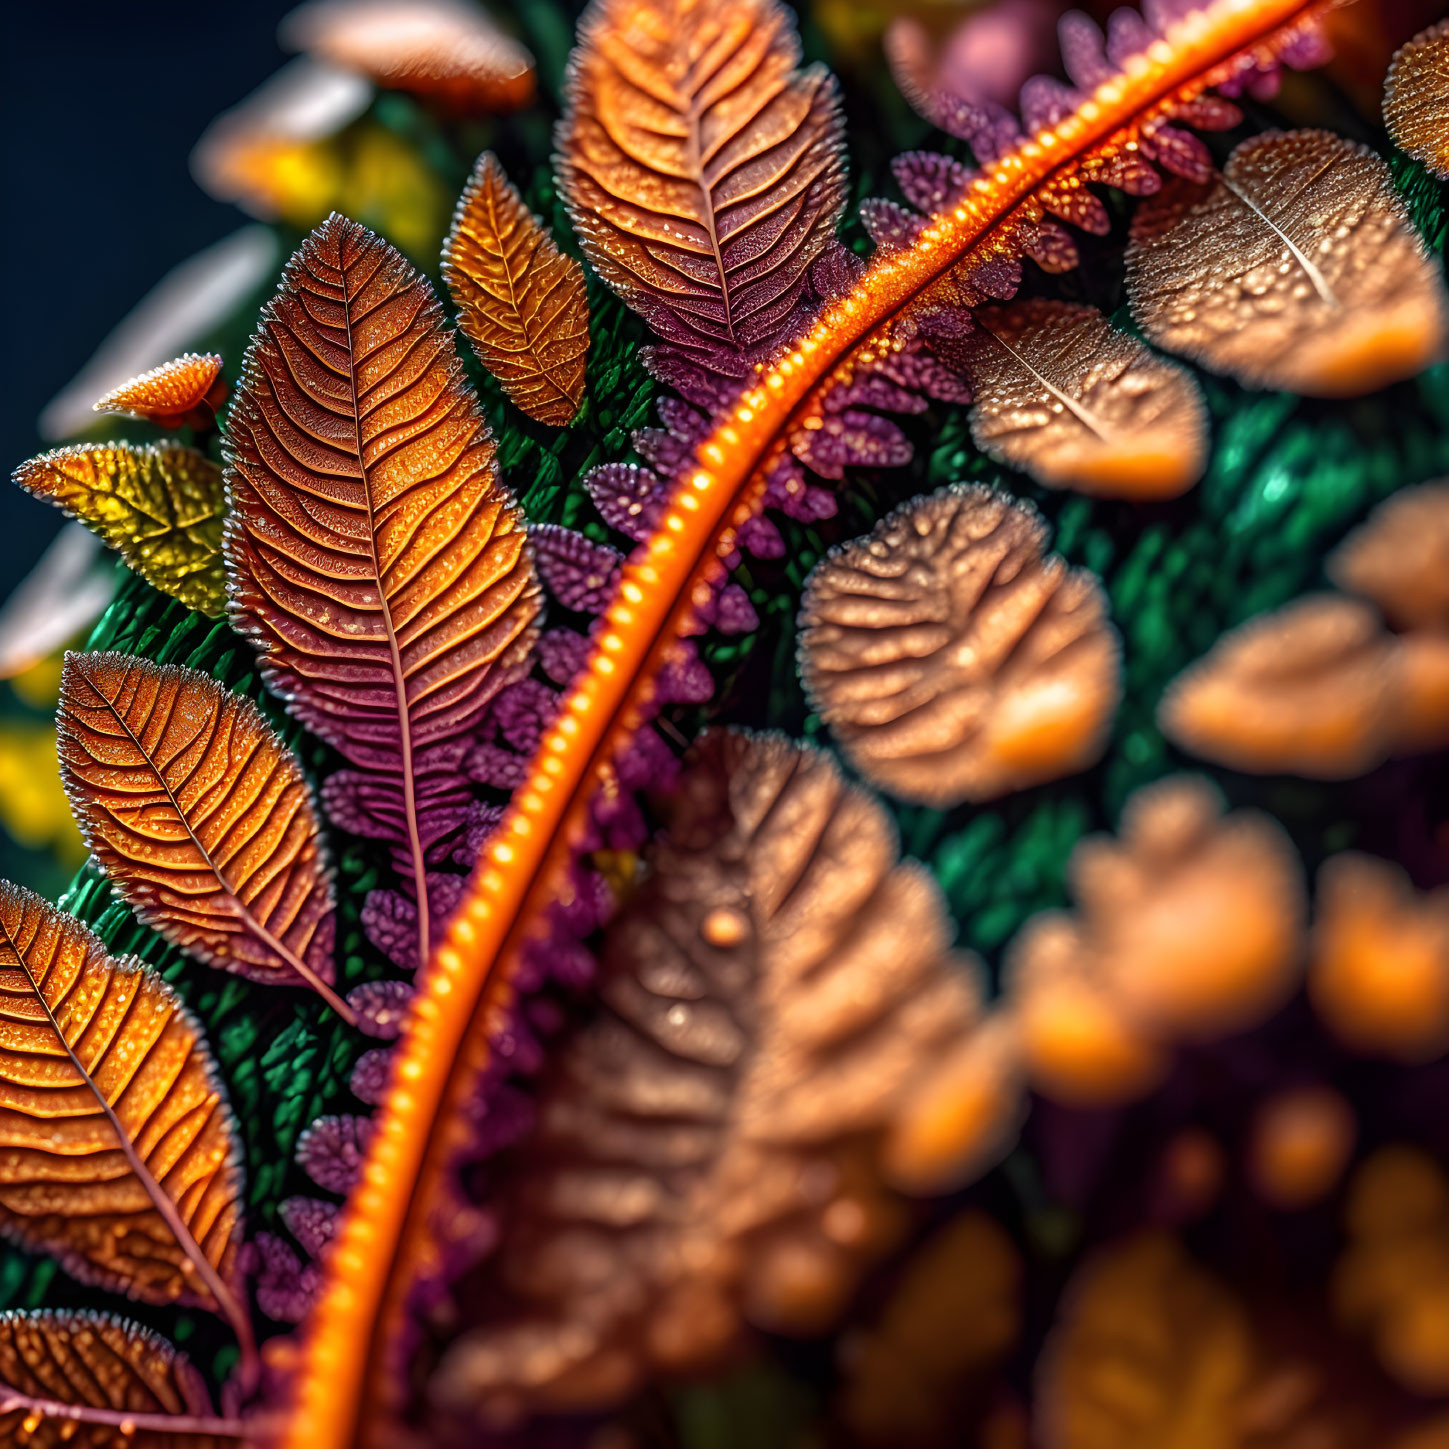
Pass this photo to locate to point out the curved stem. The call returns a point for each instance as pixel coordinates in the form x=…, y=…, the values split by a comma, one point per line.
x=290, y=957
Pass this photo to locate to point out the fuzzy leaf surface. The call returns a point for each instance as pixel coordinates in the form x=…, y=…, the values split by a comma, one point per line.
x=100, y=1362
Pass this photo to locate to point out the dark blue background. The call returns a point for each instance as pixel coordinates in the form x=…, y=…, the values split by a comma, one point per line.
x=101, y=105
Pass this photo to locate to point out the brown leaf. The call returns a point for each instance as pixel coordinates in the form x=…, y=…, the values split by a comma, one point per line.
x=1147, y=1351
x=199, y=815
x=1105, y=993
x=84, y=1376
x=1399, y=558
x=951, y=659
x=1063, y=394
x=1391, y=1281
x=447, y=51
x=374, y=555
x=703, y=172
x=946, y=1330
x=160, y=506
x=1416, y=98
x=1313, y=689
x=1380, y=967
x=521, y=302
x=705, y=1152
x=120, y=1157
x=188, y=389
x=1296, y=269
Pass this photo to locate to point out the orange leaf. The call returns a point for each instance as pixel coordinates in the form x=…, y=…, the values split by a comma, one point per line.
x=521, y=302
x=187, y=390
x=127, y=1386
x=199, y=815
x=703, y=172
x=448, y=51
x=119, y=1150
x=1295, y=269
x=374, y=555
x=1063, y=394
x=1416, y=98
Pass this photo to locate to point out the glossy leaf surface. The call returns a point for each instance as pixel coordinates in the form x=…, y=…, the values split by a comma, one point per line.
x=94, y=1362
x=703, y=172
x=161, y=507
x=1295, y=269
x=374, y=555
x=109, y=1097
x=198, y=813
x=188, y=389
x=1063, y=394
x=521, y=302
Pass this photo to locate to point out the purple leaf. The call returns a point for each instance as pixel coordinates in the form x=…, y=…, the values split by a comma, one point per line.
x=1084, y=52
x=578, y=572
x=285, y=1288
x=851, y=439
x=562, y=653
x=369, y=1077
x=522, y=713
x=1179, y=151
x=495, y=765
x=1128, y=34
x=1054, y=250
x=331, y=1150
x=760, y=537
x=389, y=918
x=482, y=822
x=311, y=1221
x=930, y=181
x=889, y=226
x=627, y=496
x=1045, y=101
x=382, y=1006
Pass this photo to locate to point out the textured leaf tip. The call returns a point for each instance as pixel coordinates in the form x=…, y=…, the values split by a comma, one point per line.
x=1296, y=269
x=189, y=389
x=127, y=1163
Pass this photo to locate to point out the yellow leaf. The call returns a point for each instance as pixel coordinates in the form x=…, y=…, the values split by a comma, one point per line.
x=160, y=506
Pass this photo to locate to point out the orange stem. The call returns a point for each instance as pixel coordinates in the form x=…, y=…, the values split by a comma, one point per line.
x=342, y=1385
